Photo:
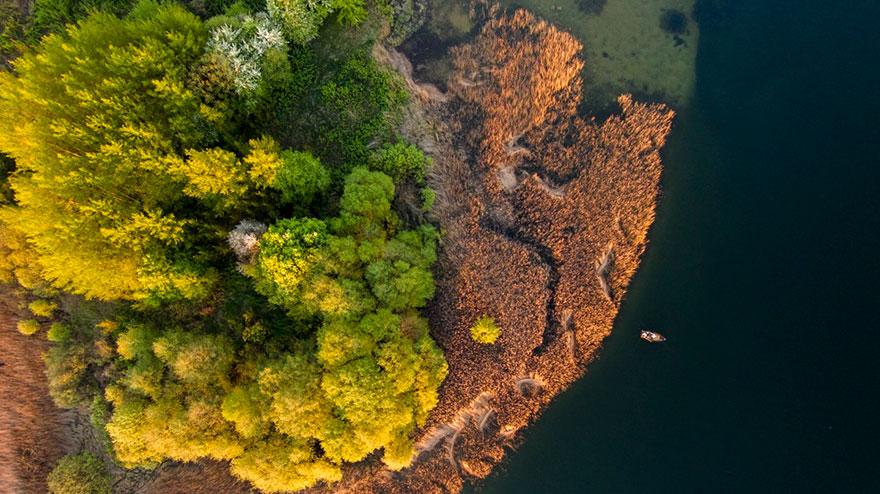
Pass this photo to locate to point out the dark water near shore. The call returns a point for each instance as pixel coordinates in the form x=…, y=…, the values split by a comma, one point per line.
x=762, y=271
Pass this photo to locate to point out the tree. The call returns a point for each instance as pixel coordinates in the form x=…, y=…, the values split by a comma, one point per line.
x=95, y=117
x=168, y=397
x=350, y=12
x=357, y=107
x=133, y=155
x=12, y=31
x=400, y=161
x=79, y=474
x=376, y=366
x=196, y=360
x=241, y=42
x=287, y=409
x=301, y=18
x=289, y=252
x=18, y=262
x=281, y=464
x=145, y=432
x=293, y=386
x=245, y=406
x=213, y=174
x=299, y=176
x=378, y=377
x=348, y=266
x=122, y=165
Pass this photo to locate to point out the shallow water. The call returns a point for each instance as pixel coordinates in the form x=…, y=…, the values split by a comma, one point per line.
x=762, y=271
x=628, y=48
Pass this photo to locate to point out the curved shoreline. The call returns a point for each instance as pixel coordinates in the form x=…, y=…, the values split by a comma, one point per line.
x=551, y=262
x=545, y=217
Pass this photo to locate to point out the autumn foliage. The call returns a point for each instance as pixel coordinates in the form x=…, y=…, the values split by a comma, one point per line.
x=214, y=287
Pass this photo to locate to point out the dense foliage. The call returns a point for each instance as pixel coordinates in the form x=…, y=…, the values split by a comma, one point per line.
x=12, y=27
x=207, y=209
x=364, y=381
x=79, y=474
x=303, y=18
x=95, y=122
x=42, y=308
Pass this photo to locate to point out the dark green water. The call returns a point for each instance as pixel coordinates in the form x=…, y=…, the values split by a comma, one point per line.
x=762, y=271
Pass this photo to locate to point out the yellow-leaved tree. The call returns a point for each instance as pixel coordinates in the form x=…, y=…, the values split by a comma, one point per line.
x=119, y=165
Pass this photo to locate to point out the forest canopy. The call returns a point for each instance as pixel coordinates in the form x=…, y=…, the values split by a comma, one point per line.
x=205, y=206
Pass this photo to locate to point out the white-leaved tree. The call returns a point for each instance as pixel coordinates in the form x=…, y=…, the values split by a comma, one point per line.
x=243, y=43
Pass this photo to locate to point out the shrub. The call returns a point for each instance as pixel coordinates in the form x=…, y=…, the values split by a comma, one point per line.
x=355, y=107
x=301, y=18
x=28, y=327
x=350, y=12
x=58, y=332
x=79, y=474
x=301, y=177
x=429, y=196
x=42, y=308
x=485, y=330
x=99, y=414
x=401, y=161
x=67, y=373
x=276, y=103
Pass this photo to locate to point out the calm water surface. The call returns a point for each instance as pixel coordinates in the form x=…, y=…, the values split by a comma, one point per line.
x=762, y=271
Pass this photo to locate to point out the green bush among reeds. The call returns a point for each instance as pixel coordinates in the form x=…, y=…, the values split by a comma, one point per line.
x=58, y=332
x=485, y=331
x=27, y=327
x=42, y=307
x=79, y=474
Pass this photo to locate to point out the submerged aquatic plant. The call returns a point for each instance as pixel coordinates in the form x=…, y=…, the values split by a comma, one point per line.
x=593, y=7
x=674, y=22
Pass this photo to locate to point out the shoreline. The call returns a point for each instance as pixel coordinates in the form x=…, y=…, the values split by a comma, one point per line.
x=545, y=217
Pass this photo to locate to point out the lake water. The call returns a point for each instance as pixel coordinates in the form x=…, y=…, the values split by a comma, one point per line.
x=762, y=271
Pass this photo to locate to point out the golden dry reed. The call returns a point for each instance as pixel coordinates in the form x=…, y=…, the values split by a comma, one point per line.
x=545, y=216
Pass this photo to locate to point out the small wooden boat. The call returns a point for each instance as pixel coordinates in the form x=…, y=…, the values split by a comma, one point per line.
x=652, y=337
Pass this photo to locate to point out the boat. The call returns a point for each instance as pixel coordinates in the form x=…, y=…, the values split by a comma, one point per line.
x=652, y=337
